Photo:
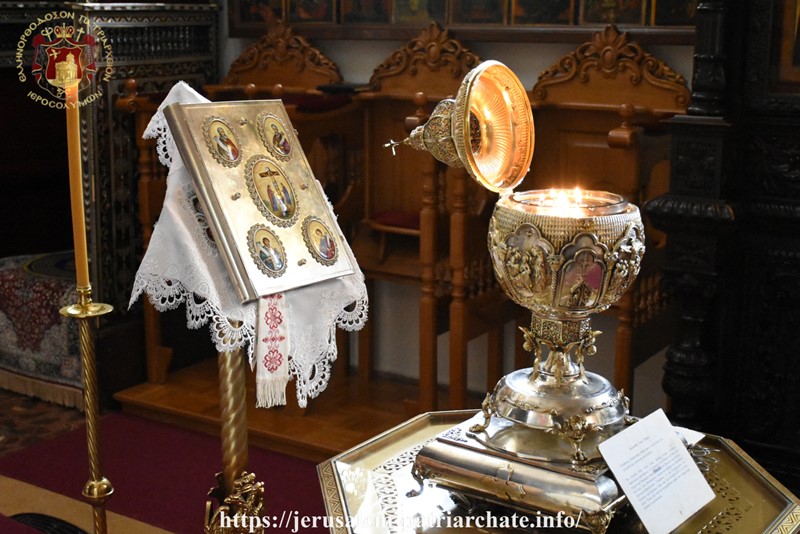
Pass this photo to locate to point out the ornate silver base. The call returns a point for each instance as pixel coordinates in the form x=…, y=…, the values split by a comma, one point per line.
x=536, y=413
x=541, y=403
x=505, y=437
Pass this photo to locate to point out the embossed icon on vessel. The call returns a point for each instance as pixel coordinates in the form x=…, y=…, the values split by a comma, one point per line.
x=271, y=191
x=267, y=250
x=222, y=141
x=275, y=135
x=319, y=241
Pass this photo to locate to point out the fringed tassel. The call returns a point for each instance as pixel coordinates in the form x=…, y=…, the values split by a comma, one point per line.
x=270, y=391
x=47, y=391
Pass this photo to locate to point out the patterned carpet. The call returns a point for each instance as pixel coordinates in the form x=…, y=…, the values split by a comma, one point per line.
x=25, y=421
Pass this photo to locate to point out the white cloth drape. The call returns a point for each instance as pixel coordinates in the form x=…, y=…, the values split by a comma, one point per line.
x=182, y=265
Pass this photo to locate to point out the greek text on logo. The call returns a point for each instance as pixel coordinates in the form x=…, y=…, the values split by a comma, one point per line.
x=60, y=39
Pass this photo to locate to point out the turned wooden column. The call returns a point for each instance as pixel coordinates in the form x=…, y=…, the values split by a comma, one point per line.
x=697, y=217
x=428, y=253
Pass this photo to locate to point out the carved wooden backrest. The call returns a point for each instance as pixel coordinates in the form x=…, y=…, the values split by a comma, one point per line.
x=280, y=57
x=608, y=72
x=592, y=98
x=432, y=62
x=449, y=257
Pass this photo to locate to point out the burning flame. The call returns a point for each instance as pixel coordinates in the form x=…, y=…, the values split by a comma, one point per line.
x=562, y=198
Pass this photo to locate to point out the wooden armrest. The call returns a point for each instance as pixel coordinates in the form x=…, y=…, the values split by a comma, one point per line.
x=624, y=135
x=635, y=122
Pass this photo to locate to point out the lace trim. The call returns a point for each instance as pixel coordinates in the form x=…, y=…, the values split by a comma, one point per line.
x=354, y=319
x=191, y=204
x=165, y=294
x=165, y=144
x=311, y=377
x=312, y=374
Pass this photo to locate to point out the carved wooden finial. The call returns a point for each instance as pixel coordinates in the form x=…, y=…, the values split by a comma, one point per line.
x=131, y=87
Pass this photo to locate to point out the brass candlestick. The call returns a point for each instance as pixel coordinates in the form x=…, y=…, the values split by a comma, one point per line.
x=98, y=489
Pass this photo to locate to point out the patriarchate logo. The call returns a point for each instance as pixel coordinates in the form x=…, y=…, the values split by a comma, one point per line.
x=66, y=48
x=64, y=58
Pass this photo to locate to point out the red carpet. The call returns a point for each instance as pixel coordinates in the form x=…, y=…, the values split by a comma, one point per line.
x=7, y=526
x=161, y=473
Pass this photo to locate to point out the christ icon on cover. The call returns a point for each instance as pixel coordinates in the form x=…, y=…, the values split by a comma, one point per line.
x=271, y=191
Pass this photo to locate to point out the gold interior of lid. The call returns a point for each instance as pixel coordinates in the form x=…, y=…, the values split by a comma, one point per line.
x=493, y=126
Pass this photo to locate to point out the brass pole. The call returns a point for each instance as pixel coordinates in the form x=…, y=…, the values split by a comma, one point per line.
x=238, y=493
x=98, y=489
x=233, y=408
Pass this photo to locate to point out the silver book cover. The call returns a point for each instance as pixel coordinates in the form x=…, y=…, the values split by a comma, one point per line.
x=268, y=215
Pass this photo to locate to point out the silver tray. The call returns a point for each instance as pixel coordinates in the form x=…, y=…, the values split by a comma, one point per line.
x=365, y=488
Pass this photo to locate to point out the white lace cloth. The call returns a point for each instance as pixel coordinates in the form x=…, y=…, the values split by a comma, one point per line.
x=182, y=265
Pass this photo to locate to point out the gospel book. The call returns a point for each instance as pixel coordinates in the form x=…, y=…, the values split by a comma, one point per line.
x=269, y=218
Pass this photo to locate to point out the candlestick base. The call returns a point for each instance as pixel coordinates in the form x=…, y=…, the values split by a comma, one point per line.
x=86, y=311
x=244, y=499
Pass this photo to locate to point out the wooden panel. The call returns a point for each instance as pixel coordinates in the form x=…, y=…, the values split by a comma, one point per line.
x=394, y=180
x=572, y=150
x=282, y=56
x=610, y=71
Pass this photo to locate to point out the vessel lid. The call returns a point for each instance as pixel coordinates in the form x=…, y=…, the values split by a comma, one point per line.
x=493, y=126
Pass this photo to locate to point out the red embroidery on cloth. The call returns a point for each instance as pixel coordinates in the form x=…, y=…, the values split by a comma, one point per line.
x=273, y=360
x=273, y=319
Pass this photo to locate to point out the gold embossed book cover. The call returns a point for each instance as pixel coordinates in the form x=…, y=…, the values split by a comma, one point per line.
x=267, y=213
